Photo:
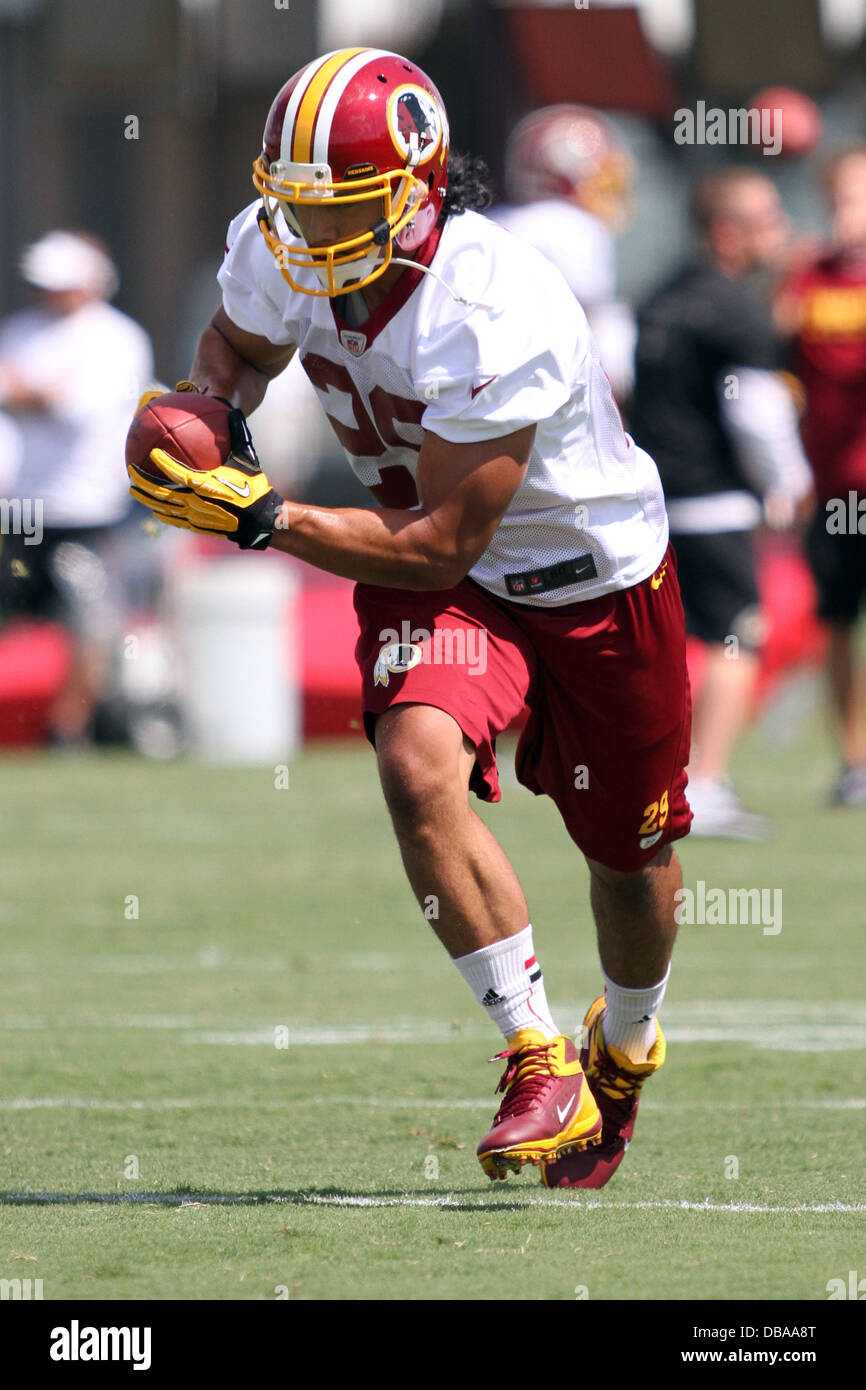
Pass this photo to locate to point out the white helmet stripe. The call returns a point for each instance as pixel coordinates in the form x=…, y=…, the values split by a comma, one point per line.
x=294, y=102
x=332, y=97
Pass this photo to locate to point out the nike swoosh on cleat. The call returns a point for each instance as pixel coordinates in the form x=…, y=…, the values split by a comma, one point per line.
x=563, y=1112
x=241, y=491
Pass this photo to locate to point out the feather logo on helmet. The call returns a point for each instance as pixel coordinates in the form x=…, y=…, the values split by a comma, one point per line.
x=415, y=123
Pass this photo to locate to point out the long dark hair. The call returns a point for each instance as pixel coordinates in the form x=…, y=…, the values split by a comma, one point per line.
x=468, y=185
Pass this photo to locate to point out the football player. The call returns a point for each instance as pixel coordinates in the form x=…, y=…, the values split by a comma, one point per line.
x=519, y=556
x=570, y=185
x=720, y=419
x=823, y=307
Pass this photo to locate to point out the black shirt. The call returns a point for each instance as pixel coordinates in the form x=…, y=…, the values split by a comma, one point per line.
x=694, y=331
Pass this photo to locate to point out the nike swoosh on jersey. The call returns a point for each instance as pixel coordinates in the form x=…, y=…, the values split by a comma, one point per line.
x=476, y=389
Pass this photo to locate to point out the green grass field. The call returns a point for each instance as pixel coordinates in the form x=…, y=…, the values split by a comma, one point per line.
x=157, y=1144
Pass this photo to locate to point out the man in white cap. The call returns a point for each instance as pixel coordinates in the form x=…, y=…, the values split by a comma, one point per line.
x=70, y=368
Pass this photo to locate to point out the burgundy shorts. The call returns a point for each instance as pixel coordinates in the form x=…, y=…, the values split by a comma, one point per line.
x=604, y=681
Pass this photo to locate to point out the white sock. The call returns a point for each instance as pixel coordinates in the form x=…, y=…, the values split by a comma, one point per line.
x=506, y=981
x=629, y=1022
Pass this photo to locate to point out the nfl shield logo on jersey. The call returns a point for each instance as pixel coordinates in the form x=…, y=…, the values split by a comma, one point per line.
x=353, y=342
x=398, y=657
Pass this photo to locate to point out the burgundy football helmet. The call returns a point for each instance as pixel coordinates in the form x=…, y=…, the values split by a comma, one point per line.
x=570, y=152
x=358, y=125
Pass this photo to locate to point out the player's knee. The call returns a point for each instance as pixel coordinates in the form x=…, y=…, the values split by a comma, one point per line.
x=415, y=769
x=413, y=790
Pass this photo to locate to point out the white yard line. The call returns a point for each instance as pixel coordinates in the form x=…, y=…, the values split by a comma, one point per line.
x=579, y=1204
x=773, y=1025
x=481, y=1103
x=468, y=1203
x=38, y=1023
x=419, y=1033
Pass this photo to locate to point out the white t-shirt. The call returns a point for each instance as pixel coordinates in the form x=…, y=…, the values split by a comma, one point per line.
x=579, y=245
x=583, y=249
x=10, y=455
x=94, y=364
x=520, y=353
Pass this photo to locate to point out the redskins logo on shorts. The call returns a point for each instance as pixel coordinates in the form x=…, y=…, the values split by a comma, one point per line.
x=397, y=657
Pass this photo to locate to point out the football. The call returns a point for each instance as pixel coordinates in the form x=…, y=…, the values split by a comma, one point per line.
x=194, y=429
x=800, y=124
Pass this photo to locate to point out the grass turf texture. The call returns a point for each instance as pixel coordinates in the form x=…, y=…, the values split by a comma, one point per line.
x=153, y=1038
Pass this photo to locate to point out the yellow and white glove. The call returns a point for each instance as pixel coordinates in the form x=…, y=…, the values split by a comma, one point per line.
x=234, y=500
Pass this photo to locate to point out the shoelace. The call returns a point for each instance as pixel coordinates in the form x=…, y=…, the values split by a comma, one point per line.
x=617, y=1085
x=525, y=1079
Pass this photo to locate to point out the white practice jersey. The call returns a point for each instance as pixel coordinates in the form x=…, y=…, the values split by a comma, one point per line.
x=589, y=516
x=578, y=244
x=583, y=249
x=93, y=364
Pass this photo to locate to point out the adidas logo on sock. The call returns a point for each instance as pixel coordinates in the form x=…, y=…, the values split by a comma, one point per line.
x=491, y=998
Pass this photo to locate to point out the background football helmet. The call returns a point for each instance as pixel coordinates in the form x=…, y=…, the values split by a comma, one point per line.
x=570, y=152
x=359, y=125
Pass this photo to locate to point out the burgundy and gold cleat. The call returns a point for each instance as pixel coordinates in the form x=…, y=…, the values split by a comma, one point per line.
x=548, y=1108
x=616, y=1084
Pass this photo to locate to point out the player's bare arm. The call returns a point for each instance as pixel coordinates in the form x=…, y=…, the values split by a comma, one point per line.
x=465, y=491
x=235, y=364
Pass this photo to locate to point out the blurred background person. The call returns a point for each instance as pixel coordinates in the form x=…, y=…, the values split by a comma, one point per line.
x=711, y=408
x=71, y=370
x=569, y=184
x=823, y=306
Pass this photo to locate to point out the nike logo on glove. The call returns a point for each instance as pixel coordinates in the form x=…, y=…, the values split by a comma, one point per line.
x=241, y=491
